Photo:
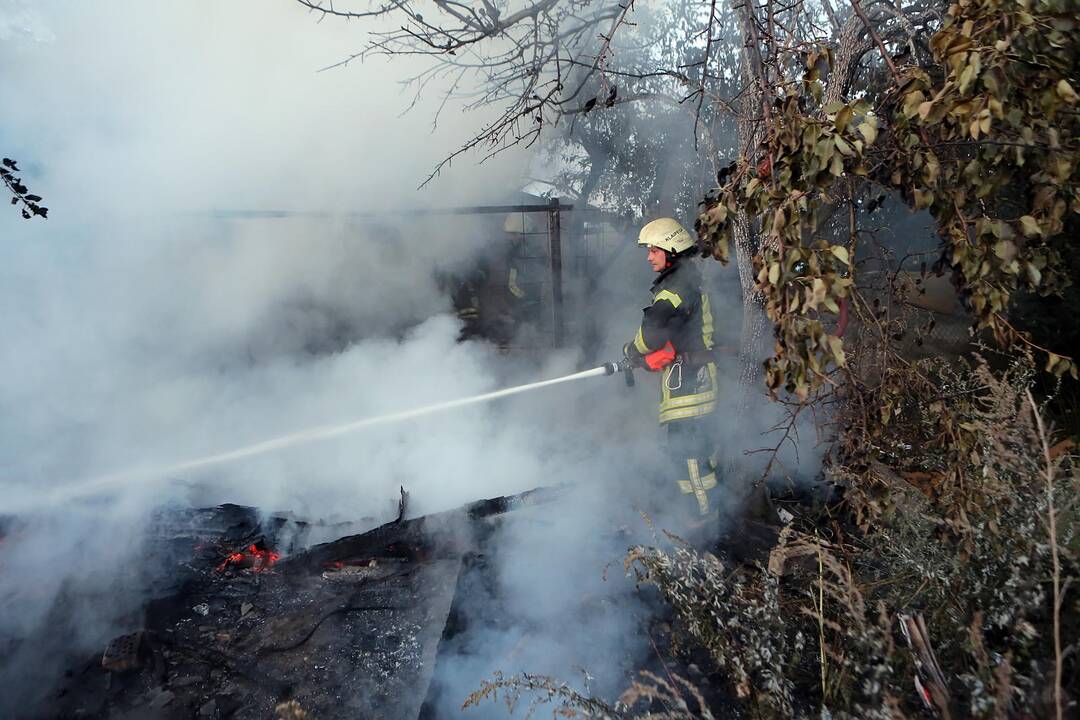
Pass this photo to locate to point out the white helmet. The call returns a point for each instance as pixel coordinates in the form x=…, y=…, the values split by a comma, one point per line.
x=666, y=234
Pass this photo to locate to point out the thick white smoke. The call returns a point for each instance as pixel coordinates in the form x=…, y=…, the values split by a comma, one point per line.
x=141, y=329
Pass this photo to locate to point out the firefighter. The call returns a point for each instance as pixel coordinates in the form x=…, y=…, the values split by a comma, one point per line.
x=676, y=340
x=490, y=298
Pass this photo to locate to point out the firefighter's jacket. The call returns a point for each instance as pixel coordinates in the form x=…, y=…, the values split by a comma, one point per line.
x=680, y=315
x=488, y=300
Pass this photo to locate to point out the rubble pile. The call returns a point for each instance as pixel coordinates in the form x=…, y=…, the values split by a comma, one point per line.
x=344, y=629
x=256, y=622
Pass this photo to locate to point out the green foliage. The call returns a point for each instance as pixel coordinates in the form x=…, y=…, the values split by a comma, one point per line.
x=799, y=273
x=984, y=138
x=19, y=192
x=987, y=141
x=974, y=558
x=964, y=507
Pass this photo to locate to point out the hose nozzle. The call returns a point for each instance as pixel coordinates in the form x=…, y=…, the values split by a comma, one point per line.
x=622, y=366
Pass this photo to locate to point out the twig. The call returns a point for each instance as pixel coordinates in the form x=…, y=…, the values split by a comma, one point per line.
x=877, y=39
x=774, y=452
x=1052, y=530
x=1022, y=337
x=705, y=68
x=662, y=664
x=915, y=633
x=832, y=14
x=821, y=619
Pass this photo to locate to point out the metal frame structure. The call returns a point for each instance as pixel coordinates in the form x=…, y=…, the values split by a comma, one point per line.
x=554, y=209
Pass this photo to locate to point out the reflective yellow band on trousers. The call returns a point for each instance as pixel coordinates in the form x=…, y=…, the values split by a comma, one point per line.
x=698, y=485
x=690, y=412
x=688, y=400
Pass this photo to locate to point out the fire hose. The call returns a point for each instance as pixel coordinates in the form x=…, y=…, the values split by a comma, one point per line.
x=104, y=484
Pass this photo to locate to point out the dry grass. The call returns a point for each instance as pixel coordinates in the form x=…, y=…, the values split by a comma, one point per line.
x=965, y=536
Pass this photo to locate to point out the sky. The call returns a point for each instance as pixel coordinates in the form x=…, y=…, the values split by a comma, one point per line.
x=142, y=328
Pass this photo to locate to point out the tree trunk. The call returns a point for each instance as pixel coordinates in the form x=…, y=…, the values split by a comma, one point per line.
x=746, y=241
x=755, y=323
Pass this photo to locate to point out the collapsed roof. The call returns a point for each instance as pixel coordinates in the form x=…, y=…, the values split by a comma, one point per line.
x=349, y=628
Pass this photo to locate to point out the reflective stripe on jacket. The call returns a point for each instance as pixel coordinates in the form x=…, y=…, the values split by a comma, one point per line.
x=680, y=314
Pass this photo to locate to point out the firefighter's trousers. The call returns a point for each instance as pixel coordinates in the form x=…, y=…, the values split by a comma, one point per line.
x=690, y=449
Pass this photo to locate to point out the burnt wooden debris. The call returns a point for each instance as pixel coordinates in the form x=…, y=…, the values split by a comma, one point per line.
x=347, y=629
x=254, y=618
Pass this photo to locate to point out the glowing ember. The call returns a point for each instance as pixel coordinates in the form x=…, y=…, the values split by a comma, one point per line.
x=254, y=558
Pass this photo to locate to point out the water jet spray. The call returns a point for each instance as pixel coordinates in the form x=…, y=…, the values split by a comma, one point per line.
x=88, y=488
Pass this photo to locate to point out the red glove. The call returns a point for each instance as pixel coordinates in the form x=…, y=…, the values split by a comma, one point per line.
x=660, y=359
